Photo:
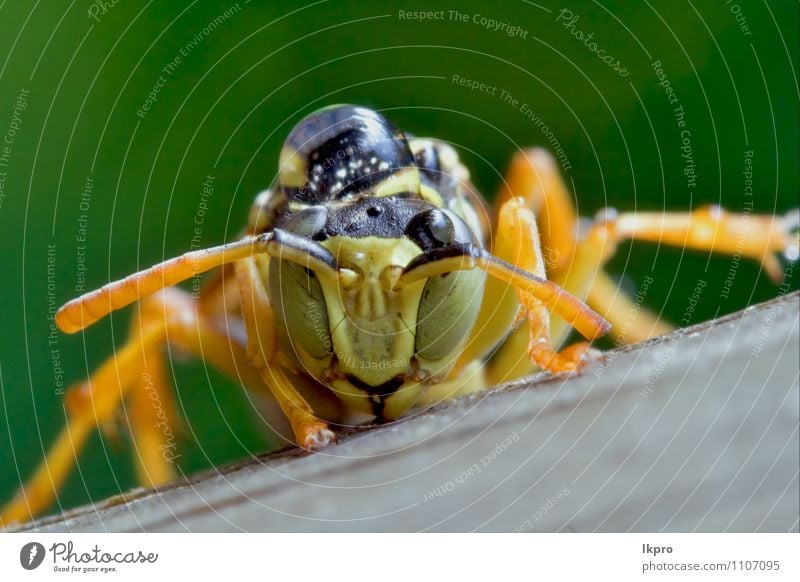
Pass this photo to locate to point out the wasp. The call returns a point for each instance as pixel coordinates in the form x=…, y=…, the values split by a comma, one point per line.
x=373, y=270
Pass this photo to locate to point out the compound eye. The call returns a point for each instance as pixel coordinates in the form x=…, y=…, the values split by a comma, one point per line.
x=298, y=303
x=431, y=229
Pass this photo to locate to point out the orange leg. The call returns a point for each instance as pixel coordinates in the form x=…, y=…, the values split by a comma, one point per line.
x=171, y=317
x=534, y=176
x=152, y=413
x=709, y=229
x=518, y=239
x=577, y=264
x=88, y=404
x=136, y=373
x=713, y=229
x=153, y=422
x=310, y=431
x=630, y=323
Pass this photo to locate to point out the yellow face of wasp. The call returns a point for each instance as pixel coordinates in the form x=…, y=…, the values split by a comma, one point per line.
x=377, y=344
x=372, y=321
x=373, y=325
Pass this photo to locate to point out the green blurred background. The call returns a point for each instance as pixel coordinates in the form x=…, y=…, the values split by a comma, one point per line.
x=226, y=107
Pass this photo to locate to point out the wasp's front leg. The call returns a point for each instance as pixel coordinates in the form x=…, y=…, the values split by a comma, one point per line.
x=533, y=176
x=517, y=241
x=262, y=350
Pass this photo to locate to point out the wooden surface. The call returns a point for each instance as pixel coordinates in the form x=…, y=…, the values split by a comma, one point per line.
x=694, y=431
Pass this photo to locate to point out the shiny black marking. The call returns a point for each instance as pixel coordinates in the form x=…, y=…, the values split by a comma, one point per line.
x=347, y=151
x=448, y=252
x=431, y=229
